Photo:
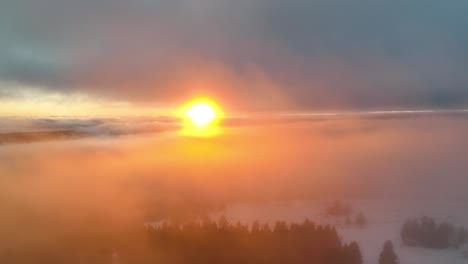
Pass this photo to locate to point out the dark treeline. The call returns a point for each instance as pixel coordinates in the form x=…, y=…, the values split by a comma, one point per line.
x=425, y=232
x=223, y=242
x=204, y=242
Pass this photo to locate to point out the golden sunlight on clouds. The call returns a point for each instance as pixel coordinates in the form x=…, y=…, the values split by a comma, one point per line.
x=36, y=102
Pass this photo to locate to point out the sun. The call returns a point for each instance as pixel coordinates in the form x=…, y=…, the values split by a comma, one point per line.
x=201, y=117
x=201, y=114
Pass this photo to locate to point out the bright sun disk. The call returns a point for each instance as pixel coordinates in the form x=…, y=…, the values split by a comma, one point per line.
x=201, y=114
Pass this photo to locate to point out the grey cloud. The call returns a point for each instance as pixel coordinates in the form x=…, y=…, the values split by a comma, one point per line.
x=4, y=93
x=340, y=124
x=35, y=67
x=25, y=130
x=317, y=54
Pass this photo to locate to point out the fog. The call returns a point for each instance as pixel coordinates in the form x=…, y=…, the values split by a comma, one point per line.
x=97, y=185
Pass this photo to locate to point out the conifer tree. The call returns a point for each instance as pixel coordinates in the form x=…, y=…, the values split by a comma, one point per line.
x=388, y=255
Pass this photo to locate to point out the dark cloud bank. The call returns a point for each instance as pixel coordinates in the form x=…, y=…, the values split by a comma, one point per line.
x=256, y=54
x=30, y=130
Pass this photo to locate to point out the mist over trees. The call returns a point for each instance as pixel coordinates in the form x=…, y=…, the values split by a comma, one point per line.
x=223, y=242
x=361, y=220
x=204, y=242
x=344, y=210
x=388, y=255
x=339, y=209
x=426, y=233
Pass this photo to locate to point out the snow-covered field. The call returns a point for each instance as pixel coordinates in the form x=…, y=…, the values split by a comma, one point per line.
x=385, y=218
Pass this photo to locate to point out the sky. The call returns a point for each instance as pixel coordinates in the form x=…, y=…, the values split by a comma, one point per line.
x=138, y=57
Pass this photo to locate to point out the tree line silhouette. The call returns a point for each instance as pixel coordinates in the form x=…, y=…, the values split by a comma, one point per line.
x=205, y=241
x=223, y=242
x=425, y=232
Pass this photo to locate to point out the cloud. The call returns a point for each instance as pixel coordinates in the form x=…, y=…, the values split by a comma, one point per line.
x=27, y=130
x=335, y=124
x=100, y=189
x=257, y=54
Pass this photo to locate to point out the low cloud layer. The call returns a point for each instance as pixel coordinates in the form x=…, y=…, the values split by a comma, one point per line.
x=355, y=156
x=15, y=130
x=92, y=190
x=258, y=54
x=24, y=130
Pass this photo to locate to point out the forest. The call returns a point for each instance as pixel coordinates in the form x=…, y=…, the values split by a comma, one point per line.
x=205, y=241
x=223, y=242
x=425, y=232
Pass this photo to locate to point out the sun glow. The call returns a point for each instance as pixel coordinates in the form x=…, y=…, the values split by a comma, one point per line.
x=201, y=117
x=201, y=114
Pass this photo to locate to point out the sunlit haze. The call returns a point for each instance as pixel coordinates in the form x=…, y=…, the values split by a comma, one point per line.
x=233, y=132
